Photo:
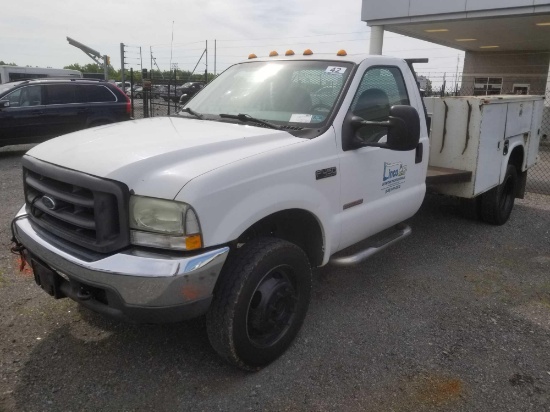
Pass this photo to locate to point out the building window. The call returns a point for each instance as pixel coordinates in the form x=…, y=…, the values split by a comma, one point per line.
x=520, y=88
x=487, y=86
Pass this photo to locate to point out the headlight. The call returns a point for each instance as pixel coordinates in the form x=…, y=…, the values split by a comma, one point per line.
x=164, y=224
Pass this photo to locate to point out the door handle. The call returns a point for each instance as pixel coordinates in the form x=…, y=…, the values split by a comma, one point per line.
x=37, y=112
x=418, y=154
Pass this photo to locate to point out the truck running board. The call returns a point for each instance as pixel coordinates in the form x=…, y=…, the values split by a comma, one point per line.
x=391, y=236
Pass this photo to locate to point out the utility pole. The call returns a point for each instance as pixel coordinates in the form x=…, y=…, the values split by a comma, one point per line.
x=94, y=55
x=122, y=66
x=206, y=69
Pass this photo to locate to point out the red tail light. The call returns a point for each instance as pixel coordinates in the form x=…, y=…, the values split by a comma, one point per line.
x=128, y=102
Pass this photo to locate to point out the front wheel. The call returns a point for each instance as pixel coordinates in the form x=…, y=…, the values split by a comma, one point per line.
x=497, y=203
x=260, y=302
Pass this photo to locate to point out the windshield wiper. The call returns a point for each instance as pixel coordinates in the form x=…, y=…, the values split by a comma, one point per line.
x=247, y=118
x=193, y=113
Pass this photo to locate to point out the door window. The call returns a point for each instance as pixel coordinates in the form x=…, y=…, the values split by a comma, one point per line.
x=94, y=94
x=380, y=89
x=26, y=96
x=61, y=93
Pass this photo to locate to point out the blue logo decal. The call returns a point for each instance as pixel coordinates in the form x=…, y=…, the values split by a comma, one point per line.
x=394, y=170
x=394, y=176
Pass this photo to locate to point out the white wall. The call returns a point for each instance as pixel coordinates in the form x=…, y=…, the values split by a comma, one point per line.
x=428, y=10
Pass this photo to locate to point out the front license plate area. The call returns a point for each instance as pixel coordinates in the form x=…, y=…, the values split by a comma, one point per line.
x=47, y=279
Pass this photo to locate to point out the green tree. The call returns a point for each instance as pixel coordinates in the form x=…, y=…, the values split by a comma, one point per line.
x=3, y=63
x=94, y=68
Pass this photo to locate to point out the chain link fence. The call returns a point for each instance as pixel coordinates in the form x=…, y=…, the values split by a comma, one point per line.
x=161, y=98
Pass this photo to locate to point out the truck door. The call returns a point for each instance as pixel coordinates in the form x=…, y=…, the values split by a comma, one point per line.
x=380, y=187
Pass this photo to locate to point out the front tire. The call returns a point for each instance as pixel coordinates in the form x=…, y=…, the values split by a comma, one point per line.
x=260, y=302
x=497, y=203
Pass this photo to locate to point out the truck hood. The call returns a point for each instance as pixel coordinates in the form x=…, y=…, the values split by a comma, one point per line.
x=158, y=156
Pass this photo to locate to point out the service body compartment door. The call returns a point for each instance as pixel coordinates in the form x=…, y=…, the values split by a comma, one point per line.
x=519, y=117
x=534, y=136
x=490, y=150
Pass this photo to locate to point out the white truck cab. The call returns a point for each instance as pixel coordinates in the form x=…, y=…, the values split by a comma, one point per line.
x=274, y=168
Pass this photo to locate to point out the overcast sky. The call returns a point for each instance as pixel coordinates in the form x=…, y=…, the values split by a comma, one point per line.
x=34, y=31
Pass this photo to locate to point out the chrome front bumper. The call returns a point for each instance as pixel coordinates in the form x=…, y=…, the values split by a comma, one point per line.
x=139, y=285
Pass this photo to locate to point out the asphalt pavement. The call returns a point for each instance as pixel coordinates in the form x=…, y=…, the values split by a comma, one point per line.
x=454, y=318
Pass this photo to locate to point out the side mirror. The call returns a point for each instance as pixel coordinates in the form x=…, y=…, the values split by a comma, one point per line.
x=403, y=129
x=4, y=104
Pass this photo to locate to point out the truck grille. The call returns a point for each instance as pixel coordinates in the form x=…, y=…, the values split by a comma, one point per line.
x=85, y=210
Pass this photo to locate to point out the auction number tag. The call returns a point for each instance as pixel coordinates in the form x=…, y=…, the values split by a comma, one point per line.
x=335, y=70
x=301, y=118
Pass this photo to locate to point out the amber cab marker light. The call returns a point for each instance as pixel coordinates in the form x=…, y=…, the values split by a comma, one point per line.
x=273, y=54
x=436, y=30
x=252, y=56
x=289, y=53
x=341, y=53
x=308, y=52
x=489, y=47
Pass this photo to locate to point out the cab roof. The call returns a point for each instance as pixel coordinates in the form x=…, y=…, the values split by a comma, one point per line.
x=351, y=58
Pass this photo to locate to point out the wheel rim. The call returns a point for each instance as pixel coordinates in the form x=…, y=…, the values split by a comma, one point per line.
x=507, y=198
x=272, y=307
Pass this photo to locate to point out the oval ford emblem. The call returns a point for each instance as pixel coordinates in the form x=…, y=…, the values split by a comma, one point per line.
x=49, y=202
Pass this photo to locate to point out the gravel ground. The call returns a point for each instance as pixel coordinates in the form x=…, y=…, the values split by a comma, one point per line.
x=454, y=318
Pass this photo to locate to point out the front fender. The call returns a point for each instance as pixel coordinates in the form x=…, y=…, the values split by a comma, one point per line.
x=233, y=219
x=269, y=200
x=229, y=200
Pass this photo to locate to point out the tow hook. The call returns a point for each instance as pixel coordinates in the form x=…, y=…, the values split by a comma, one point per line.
x=19, y=250
x=84, y=294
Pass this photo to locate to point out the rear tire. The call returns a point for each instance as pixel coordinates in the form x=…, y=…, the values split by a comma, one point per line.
x=470, y=208
x=260, y=302
x=497, y=203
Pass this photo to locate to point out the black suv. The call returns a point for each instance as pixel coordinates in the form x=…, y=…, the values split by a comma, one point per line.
x=32, y=111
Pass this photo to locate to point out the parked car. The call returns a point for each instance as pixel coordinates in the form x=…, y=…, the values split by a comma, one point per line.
x=138, y=92
x=126, y=85
x=186, y=91
x=32, y=111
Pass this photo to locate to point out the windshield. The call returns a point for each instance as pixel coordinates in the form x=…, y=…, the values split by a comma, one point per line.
x=302, y=92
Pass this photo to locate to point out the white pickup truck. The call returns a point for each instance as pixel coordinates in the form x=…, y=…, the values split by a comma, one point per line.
x=273, y=169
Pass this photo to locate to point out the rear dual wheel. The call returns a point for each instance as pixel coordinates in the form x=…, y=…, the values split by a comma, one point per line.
x=497, y=203
x=260, y=302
